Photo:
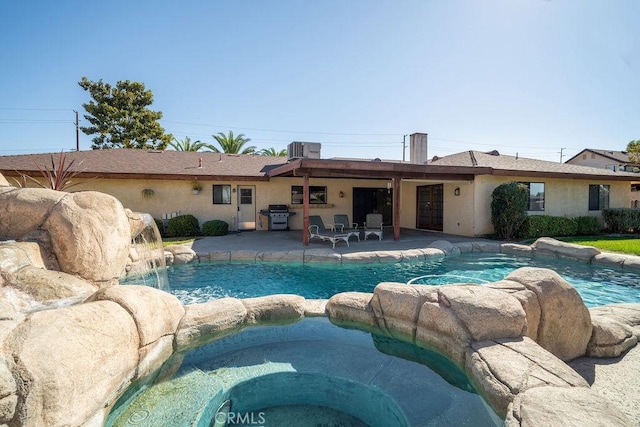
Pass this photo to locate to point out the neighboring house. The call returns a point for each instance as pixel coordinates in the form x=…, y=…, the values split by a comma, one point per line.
x=450, y=194
x=612, y=160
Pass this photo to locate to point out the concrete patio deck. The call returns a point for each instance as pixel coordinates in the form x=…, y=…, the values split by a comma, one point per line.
x=292, y=240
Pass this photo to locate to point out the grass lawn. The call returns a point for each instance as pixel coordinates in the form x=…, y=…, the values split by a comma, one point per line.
x=624, y=244
x=166, y=241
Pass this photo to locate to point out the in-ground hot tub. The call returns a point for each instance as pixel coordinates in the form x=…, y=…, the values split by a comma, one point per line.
x=308, y=373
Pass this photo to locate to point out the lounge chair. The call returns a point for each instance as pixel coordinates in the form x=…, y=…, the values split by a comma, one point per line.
x=373, y=226
x=350, y=228
x=319, y=231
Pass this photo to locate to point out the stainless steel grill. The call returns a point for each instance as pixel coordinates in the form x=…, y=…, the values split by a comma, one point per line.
x=278, y=217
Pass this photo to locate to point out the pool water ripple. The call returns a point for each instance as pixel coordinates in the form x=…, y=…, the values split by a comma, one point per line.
x=196, y=283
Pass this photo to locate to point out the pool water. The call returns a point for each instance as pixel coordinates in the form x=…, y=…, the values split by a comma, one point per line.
x=309, y=373
x=195, y=283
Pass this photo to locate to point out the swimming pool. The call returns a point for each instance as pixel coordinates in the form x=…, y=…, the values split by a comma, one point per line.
x=307, y=374
x=195, y=283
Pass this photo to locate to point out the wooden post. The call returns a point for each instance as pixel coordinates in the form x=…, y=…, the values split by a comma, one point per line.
x=396, y=208
x=305, y=210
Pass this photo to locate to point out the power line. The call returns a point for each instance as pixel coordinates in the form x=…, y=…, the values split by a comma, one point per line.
x=36, y=109
x=282, y=131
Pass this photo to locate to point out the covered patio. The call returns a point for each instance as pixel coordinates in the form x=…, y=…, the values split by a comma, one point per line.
x=392, y=172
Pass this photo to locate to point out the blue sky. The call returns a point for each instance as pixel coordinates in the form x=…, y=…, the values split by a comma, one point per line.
x=520, y=76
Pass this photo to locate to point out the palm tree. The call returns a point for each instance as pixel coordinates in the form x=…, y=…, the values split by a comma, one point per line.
x=272, y=152
x=232, y=144
x=187, y=145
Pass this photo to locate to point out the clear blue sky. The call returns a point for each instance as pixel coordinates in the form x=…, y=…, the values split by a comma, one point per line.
x=520, y=76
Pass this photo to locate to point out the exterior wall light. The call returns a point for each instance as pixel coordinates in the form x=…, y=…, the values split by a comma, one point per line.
x=456, y=192
x=341, y=194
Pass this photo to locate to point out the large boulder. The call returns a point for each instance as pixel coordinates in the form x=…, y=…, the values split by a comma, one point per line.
x=85, y=234
x=610, y=338
x=90, y=236
x=552, y=247
x=503, y=368
x=182, y=254
x=565, y=323
x=156, y=313
x=397, y=306
x=352, y=308
x=70, y=361
x=274, y=309
x=25, y=210
x=485, y=312
x=25, y=277
x=212, y=320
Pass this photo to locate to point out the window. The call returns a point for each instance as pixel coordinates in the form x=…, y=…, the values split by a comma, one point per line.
x=536, y=195
x=246, y=196
x=584, y=157
x=317, y=195
x=221, y=194
x=598, y=197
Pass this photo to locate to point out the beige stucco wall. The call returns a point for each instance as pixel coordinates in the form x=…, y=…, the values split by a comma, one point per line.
x=563, y=197
x=593, y=160
x=468, y=214
x=458, y=210
x=173, y=196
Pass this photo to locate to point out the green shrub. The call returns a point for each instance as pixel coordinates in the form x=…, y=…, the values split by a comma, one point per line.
x=548, y=226
x=588, y=226
x=621, y=220
x=215, y=227
x=509, y=209
x=183, y=226
x=160, y=225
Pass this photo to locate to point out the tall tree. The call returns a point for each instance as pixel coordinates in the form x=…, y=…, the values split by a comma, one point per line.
x=273, y=152
x=187, y=145
x=633, y=150
x=119, y=116
x=232, y=144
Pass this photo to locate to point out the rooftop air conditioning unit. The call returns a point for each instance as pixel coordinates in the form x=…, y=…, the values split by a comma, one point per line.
x=310, y=150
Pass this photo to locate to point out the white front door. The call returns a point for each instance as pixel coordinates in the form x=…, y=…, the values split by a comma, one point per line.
x=246, y=207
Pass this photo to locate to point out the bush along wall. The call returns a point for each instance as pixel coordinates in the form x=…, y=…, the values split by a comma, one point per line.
x=509, y=209
x=215, y=227
x=621, y=220
x=183, y=226
x=588, y=226
x=548, y=226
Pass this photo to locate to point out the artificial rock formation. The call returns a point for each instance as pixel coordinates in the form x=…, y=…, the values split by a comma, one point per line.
x=86, y=233
x=486, y=331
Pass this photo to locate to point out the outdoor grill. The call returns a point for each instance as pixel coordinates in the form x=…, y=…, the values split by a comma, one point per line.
x=278, y=217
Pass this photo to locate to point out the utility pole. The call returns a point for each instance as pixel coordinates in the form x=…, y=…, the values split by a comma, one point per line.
x=77, y=132
x=404, y=145
x=561, y=155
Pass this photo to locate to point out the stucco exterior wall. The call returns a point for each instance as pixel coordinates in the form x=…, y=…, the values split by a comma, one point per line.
x=175, y=196
x=563, y=197
x=458, y=210
x=594, y=160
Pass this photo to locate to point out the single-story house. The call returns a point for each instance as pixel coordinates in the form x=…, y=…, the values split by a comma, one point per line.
x=451, y=194
x=612, y=160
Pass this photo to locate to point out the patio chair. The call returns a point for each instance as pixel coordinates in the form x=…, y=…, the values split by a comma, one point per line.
x=373, y=226
x=350, y=228
x=319, y=231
